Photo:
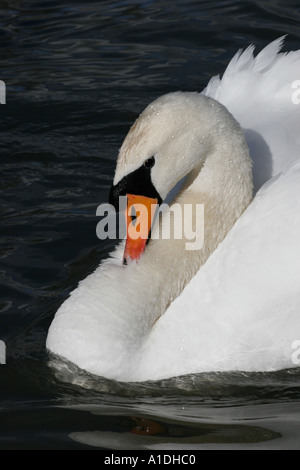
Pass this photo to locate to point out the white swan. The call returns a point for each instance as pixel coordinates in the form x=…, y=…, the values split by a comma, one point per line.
x=163, y=316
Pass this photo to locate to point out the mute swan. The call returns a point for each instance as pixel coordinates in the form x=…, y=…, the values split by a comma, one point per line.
x=234, y=304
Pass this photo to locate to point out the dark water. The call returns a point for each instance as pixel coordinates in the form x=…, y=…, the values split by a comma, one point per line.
x=77, y=75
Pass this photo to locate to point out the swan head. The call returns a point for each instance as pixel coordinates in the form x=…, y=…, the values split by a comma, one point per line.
x=172, y=137
x=165, y=143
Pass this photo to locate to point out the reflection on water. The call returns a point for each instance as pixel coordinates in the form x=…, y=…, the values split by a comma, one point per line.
x=77, y=74
x=174, y=438
x=189, y=412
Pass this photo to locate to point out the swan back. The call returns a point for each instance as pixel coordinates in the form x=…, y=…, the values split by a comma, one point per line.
x=259, y=92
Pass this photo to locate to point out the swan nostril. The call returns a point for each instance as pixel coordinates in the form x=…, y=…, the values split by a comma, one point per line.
x=133, y=215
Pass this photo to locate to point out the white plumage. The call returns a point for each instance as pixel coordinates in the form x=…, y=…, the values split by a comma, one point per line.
x=258, y=92
x=163, y=316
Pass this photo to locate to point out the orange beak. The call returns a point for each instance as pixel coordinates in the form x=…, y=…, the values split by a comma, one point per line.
x=139, y=217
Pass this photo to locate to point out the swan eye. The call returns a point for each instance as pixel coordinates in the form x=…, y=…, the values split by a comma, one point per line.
x=149, y=163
